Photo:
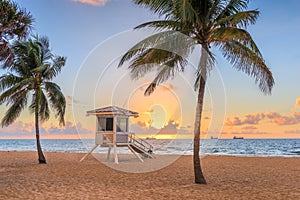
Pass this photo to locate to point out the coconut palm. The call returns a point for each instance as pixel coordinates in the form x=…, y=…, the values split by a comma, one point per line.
x=210, y=25
x=15, y=23
x=30, y=75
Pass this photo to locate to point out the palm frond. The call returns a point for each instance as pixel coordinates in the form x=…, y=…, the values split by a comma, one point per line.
x=57, y=100
x=154, y=59
x=166, y=71
x=15, y=110
x=162, y=25
x=7, y=96
x=153, y=41
x=240, y=19
x=231, y=7
x=44, y=111
x=162, y=8
x=55, y=68
x=227, y=34
x=245, y=59
x=9, y=80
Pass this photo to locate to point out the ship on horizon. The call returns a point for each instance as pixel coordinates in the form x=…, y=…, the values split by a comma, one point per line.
x=238, y=138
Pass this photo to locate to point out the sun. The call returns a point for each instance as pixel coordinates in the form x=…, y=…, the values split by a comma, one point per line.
x=158, y=108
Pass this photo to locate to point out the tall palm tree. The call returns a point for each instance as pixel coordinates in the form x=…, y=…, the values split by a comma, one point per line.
x=31, y=73
x=209, y=24
x=15, y=23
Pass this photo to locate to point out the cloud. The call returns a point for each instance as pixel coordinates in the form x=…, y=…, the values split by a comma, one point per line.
x=19, y=128
x=145, y=128
x=93, y=2
x=69, y=128
x=23, y=129
x=297, y=105
x=273, y=117
x=282, y=120
x=141, y=129
x=251, y=119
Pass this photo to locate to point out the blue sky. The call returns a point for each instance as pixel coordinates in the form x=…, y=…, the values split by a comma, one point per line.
x=75, y=29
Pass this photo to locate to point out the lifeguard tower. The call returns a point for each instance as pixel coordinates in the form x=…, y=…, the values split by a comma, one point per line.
x=112, y=132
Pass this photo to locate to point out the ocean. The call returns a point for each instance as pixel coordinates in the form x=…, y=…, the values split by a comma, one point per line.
x=243, y=147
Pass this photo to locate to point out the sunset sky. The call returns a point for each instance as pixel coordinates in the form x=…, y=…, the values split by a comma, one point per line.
x=93, y=34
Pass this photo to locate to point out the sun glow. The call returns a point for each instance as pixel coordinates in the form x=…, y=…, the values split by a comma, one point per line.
x=155, y=110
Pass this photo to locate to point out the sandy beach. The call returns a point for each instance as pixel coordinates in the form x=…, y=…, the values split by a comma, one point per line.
x=64, y=177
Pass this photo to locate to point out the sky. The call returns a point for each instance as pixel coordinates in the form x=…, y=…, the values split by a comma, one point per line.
x=93, y=34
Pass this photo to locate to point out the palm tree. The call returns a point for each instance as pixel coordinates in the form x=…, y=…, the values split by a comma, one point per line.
x=31, y=73
x=15, y=23
x=208, y=24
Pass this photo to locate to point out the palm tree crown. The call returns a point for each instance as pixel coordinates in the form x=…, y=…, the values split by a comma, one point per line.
x=15, y=23
x=209, y=24
x=31, y=73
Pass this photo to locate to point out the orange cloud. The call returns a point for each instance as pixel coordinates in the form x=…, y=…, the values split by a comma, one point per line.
x=93, y=2
x=24, y=130
x=249, y=119
x=281, y=120
x=297, y=105
x=274, y=117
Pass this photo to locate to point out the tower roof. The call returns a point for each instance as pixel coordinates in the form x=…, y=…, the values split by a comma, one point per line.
x=113, y=110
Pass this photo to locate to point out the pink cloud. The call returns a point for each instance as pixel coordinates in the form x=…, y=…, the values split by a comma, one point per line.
x=298, y=102
x=93, y=2
x=273, y=117
x=21, y=129
x=145, y=128
x=249, y=119
x=282, y=120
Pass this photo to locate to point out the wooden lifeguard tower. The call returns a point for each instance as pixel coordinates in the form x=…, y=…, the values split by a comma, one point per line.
x=112, y=132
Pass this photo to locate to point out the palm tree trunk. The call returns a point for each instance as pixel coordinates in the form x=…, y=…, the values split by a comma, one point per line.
x=42, y=159
x=199, y=177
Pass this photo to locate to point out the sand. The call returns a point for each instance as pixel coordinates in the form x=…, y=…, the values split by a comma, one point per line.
x=64, y=177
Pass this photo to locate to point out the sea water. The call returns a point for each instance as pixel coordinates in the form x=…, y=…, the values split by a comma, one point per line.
x=242, y=147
